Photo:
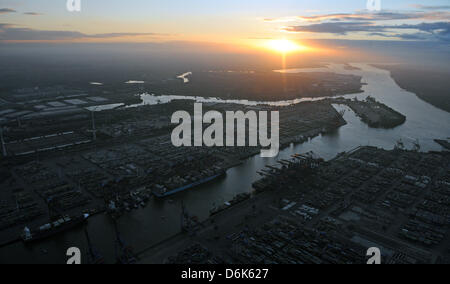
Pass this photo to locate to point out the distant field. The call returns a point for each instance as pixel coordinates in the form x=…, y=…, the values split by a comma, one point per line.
x=431, y=86
x=266, y=86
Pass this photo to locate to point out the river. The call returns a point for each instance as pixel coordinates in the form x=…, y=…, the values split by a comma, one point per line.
x=161, y=219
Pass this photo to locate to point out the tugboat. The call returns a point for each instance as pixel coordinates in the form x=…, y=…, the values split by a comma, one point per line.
x=45, y=231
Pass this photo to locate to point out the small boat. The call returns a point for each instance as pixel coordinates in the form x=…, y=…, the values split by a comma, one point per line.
x=63, y=224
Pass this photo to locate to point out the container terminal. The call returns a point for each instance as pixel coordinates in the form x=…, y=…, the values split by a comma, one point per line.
x=122, y=159
x=116, y=165
x=307, y=210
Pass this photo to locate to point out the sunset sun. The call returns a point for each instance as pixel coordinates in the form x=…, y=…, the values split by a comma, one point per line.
x=284, y=46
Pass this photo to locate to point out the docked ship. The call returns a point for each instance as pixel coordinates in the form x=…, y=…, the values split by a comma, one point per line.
x=235, y=201
x=45, y=231
x=161, y=192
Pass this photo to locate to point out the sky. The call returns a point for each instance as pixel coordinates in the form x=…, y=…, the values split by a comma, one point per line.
x=238, y=22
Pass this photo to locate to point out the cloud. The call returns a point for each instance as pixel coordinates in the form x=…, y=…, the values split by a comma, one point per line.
x=414, y=36
x=421, y=36
x=435, y=24
x=437, y=30
x=113, y=35
x=336, y=28
x=281, y=20
x=32, y=14
x=10, y=32
x=5, y=26
x=440, y=28
x=424, y=7
x=6, y=11
x=367, y=16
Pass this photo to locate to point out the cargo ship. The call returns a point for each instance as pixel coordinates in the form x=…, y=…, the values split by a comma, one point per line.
x=164, y=192
x=45, y=231
x=235, y=201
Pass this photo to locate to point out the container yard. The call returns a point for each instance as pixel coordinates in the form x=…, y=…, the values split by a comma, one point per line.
x=121, y=160
x=117, y=164
x=307, y=210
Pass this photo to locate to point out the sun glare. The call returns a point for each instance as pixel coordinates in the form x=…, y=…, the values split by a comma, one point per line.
x=284, y=46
